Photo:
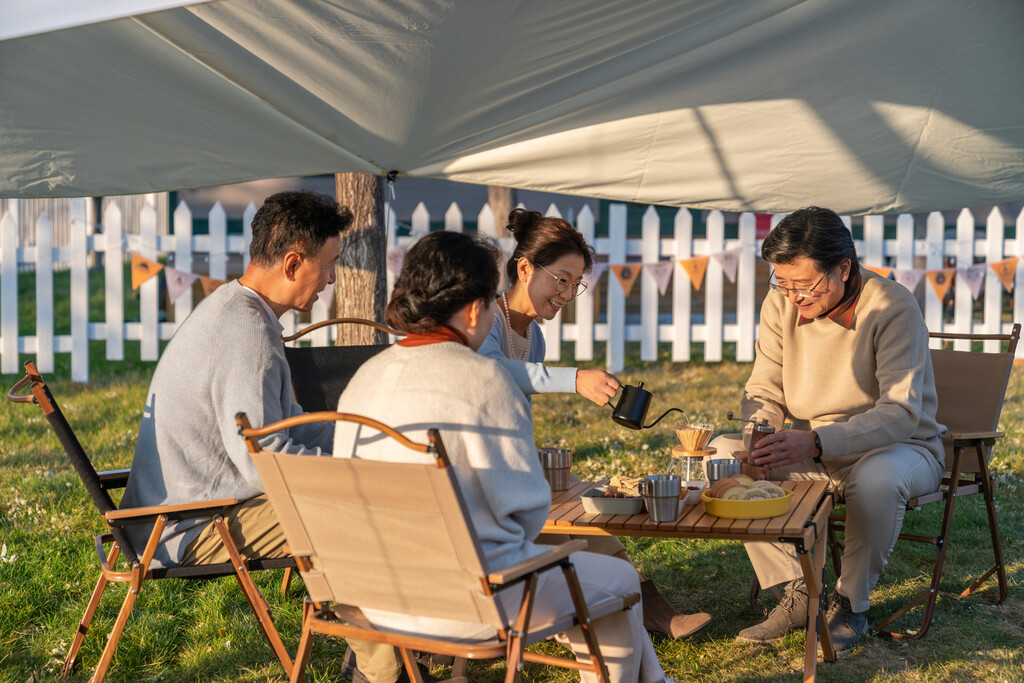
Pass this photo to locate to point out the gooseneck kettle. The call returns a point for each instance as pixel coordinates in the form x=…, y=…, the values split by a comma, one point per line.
x=631, y=410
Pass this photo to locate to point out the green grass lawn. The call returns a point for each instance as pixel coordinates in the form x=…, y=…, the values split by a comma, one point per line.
x=205, y=632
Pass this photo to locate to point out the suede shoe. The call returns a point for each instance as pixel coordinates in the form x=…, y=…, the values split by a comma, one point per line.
x=789, y=614
x=845, y=627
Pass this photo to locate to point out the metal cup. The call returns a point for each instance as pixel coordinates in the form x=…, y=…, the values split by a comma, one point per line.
x=722, y=468
x=661, y=493
x=556, y=463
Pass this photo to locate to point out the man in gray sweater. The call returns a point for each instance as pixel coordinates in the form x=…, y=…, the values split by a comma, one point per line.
x=227, y=357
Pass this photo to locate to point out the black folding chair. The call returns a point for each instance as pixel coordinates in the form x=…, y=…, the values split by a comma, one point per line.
x=135, y=569
x=321, y=373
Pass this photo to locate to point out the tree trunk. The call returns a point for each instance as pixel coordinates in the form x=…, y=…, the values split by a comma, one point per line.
x=362, y=286
x=502, y=201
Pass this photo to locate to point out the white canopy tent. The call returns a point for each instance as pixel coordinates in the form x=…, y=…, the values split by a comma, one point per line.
x=866, y=106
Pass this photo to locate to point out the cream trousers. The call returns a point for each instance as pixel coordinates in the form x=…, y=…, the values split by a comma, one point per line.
x=876, y=489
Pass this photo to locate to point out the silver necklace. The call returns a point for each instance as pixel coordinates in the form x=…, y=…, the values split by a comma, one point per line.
x=510, y=335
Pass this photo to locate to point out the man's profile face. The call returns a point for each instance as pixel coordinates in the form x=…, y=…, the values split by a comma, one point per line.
x=314, y=273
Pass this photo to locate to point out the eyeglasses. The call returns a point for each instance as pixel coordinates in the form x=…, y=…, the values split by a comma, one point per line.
x=799, y=292
x=561, y=284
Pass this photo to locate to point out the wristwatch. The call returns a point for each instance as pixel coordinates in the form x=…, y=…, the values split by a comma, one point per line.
x=817, y=444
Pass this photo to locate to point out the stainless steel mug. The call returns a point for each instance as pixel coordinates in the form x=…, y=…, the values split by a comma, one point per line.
x=661, y=494
x=556, y=463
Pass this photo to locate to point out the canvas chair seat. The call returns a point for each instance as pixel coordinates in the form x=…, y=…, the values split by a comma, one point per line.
x=396, y=537
x=971, y=386
x=321, y=373
x=119, y=560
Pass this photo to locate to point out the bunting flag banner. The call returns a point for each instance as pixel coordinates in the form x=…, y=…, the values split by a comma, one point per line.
x=626, y=274
x=326, y=295
x=974, y=277
x=730, y=261
x=1005, y=270
x=661, y=271
x=908, y=278
x=209, y=284
x=394, y=258
x=143, y=269
x=595, y=274
x=878, y=270
x=695, y=267
x=941, y=280
x=178, y=282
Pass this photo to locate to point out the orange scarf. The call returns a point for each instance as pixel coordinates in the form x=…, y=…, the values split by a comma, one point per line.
x=441, y=333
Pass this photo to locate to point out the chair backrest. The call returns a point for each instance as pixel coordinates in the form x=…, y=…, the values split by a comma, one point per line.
x=971, y=386
x=321, y=373
x=41, y=395
x=379, y=535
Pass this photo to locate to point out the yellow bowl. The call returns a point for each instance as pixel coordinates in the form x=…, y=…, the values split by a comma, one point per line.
x=747, y=509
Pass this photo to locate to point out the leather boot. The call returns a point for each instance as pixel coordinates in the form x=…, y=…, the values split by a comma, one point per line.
x=845, y=627
x=789, y=614
x=662, y=617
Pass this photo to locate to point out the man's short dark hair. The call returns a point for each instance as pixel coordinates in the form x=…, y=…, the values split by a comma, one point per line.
x=295, y=221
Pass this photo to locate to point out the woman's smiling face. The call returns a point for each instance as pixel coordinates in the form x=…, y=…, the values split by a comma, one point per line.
x=544, y=284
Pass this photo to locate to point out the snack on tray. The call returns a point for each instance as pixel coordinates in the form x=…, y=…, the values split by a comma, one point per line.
x=742, y=487
x=627, y=486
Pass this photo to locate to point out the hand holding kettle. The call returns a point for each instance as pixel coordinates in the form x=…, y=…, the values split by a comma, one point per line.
x=597, y=385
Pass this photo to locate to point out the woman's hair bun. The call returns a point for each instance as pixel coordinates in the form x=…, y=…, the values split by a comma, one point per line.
x=521, y=221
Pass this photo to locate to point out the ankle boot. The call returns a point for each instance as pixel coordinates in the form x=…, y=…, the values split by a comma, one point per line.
x=662, y=617
x=788, y=615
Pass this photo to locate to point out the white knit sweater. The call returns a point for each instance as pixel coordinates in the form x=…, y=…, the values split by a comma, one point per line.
x=484, y=421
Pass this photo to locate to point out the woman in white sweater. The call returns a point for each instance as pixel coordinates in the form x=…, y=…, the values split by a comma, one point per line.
x=443, y=300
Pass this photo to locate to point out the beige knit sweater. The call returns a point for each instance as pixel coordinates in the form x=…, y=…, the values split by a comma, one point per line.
x=861, y=388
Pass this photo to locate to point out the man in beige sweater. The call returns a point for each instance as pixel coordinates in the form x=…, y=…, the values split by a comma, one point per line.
x=843, y=354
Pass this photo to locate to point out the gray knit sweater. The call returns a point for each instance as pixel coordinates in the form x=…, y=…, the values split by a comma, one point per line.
x=226, y=357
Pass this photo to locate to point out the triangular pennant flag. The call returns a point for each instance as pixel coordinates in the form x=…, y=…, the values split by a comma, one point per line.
x=326, y=295
x=730, y=261
x=695, y=268
x=209, y=284
x=595, y=274
x=143, y=269
x=974, y=277
x=661, y=271
x=1005, y=271
x=908, y=278
x=941, y=280
x=395, y=257
x=878, y=270
x=626, y=273
x=178, y=282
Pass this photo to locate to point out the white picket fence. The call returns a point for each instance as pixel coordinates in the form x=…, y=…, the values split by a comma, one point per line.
x=723, y=321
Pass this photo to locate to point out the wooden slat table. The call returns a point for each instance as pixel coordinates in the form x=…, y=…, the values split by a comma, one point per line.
x=805, y=526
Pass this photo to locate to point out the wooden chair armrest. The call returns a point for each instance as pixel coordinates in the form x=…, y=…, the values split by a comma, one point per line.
x=537, y=562
x=138, y=515
x=977, y=436
x=114, y=479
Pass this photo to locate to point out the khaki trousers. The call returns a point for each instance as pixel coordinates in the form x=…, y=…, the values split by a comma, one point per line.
x=876, y=489
x=255, y=531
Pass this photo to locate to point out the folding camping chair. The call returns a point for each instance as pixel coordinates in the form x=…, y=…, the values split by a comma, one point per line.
x=321, y=373
x=970, y=386
x=397, y=537
x=136, y=563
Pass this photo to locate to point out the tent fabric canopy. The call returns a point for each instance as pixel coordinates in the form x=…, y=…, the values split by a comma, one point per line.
x=866, y=106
